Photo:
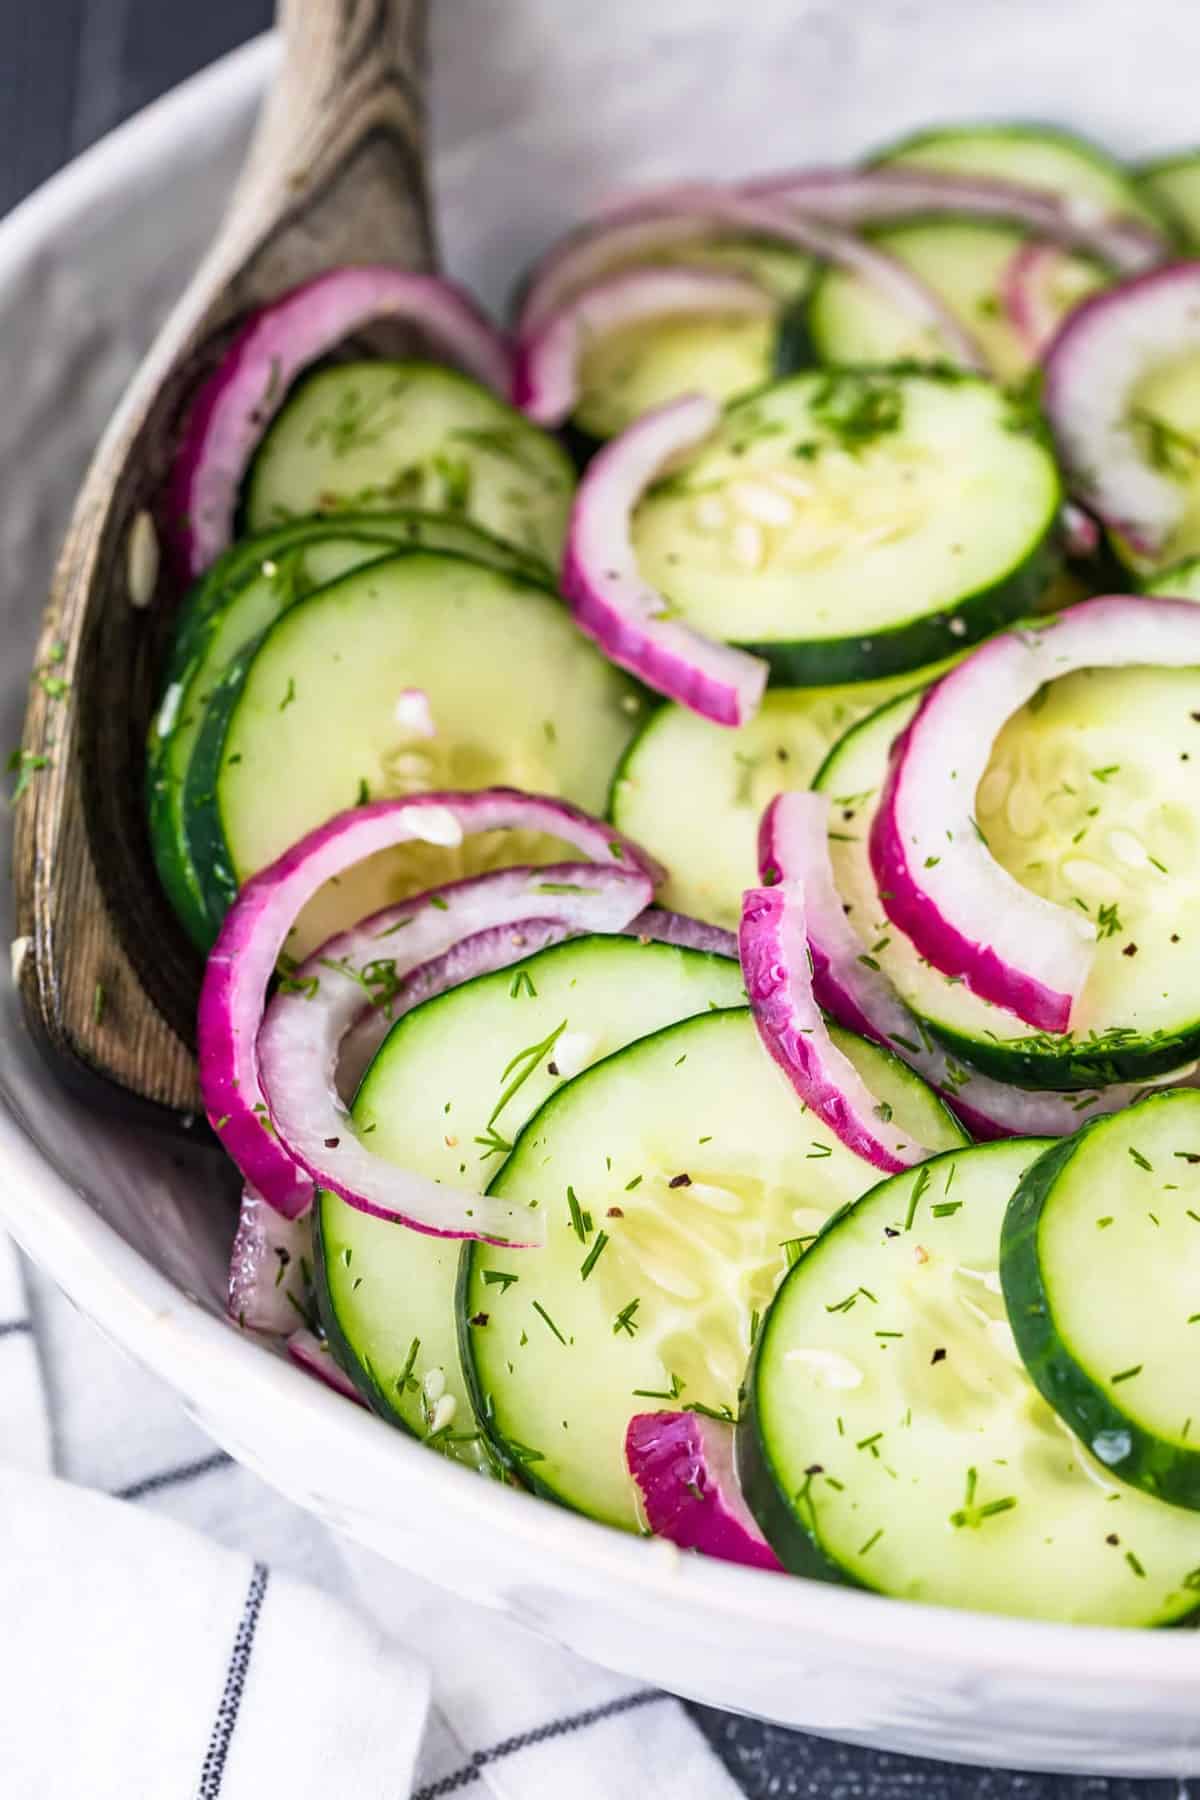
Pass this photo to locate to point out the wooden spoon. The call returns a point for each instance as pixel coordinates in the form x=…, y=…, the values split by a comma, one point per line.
x=335, y=175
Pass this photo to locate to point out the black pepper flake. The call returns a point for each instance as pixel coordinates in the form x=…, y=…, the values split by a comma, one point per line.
x=552, y=1068
x=1174, y=937
x=815, y=1469
x=680, y=1181
x=938, y=1356
x=1129, y=950
x=891, y=1231
x=480, y=1318
x=332, y=1143
x=614, y=1212
x=1112, y=1538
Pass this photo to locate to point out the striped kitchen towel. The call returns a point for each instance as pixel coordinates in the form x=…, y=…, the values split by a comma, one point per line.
x=175, y=1630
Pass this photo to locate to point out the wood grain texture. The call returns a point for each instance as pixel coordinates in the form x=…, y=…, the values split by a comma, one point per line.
x=335, y=175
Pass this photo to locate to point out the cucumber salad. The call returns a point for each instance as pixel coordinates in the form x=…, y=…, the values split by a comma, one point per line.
x=686, y=805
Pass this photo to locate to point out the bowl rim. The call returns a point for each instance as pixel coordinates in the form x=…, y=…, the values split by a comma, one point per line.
x=201, y=1355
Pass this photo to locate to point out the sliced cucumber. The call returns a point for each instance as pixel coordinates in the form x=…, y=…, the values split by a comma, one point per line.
x=1172, y=186
x=852, y=524
x=1037, y=156
x=305, y=723
x=374, y=436
x=432, y=1100
x=1087, y=801
x=693, y=792
x=251, y=586
x=627, y=372
x=965, y=263
x=893, y=1440
x=699, y=1175
x=1115, y=1354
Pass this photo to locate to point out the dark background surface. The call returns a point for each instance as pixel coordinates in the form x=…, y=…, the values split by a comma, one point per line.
x=70, y=69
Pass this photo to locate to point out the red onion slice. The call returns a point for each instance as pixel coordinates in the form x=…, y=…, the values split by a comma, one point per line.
x=237, y=401
x=628, y=619
x=1078, y=531
x=496, y=947
x=683, y=1466
x=244, y=959
x=266, y=1283
x=307, y=1350
x=1103, y=351
x=1025, y=298
x=663, y=927
x=499, y=947
x=793, y=845
x=858, y=197
x=638, y=231
x=938, y=881
x=773, y=943
x=546, y=379
x=300, y=1042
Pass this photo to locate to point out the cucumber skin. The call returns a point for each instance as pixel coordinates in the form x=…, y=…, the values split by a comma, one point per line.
x=169, y=849
x=838, y=662
x=204, y=833
x=343, y=1351
x=517, y=1469
x=795, y=1544
x=1074, y=1069
x=1167, y=1471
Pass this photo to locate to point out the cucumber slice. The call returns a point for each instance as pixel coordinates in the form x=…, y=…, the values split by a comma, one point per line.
x=1086, y=800
x=693, y=792
x=627, y=372
x=689, y=1152
x=247, y=591
x=965, y=263
x=1115, y=1355
x=1037, y=156
x=847, y=525
x=1172, y=187
x=430, y=1101
x=304, y=724
x=374, y=436
x=924, y=1464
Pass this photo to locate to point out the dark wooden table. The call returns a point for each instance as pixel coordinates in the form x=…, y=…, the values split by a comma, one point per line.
x=71, y=69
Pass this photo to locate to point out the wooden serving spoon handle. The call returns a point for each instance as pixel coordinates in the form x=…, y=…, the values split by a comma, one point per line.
x=335, y=175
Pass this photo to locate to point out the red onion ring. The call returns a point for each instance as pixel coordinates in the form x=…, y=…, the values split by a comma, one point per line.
x=237, y=401
x=1023, y=295
x=546, y=378
x=938, y=881
x=773, y=945
x=311, y=1354
x=244, y=958
x=1092, y=369
x=612, y=603
x=639, y=230
x=858, y=197
x=265, y=1286
x=301, y=1037
x=793, y=844
x=683, y=1466
x=664, y=927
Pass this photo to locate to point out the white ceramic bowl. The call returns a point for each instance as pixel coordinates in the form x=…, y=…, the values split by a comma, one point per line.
x=528, y=129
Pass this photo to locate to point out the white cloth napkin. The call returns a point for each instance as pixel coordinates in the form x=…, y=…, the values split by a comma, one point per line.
x=184, y=1633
